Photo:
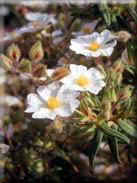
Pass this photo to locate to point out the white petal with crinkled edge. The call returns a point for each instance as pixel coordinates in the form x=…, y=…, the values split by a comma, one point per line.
x=96, y=86
x=50, y=90
x=95, y=74
x=34, y=99
x=44, y=113
x=34, y=102
x=66, y=93
x=67, y=109
x=76, y=70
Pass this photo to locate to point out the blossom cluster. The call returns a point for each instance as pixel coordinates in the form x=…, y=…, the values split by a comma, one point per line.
x=57, y=99
x=60, y=97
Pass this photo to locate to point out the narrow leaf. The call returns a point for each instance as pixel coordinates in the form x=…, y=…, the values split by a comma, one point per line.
x=111, y=132
x=128, y=128
x=113, y=145
x=94, y=146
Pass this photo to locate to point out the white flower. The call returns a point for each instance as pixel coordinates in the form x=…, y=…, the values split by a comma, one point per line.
x=95, y=44
x=52, y=100
x=42, y=18
x=35, y=24
x=81, y=79
x=86, y=28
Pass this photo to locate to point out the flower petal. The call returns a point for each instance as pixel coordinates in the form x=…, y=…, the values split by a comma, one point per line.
x=77, y=70
x=94, y=74
x=34, y=99
x=67, y=109
x=66, y=93
x=96, y=86
x=46, y=91
x=44, y=113
x=106, y=52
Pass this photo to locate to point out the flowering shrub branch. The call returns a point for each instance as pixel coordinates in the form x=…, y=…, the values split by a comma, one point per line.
x=87, y=97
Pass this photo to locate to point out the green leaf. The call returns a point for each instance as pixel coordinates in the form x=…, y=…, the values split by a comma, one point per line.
x=94, y=146
x=25, y=66
x=113, y=145
x=114, y=21
x=111, y=132
x=105, y=12
x=128, y=128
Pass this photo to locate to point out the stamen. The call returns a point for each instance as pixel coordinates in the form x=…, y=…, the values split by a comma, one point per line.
x=94, y=46
x=82, y=81
x=53, y=103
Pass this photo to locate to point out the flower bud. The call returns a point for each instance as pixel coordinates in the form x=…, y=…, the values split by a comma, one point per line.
x=118, y=66
x=39, y=70
x=106, y=97
x=125, y=93
x=36, y=53
x=107, y=110
x=112, y=74
x=113, y=96
x=123, y=36
x=14, y=52
x=25, y=65
x=5, y=62
x=60, y=73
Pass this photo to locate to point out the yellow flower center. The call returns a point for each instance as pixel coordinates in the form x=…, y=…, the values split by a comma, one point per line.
x=53, y=103
x=87, y=30
x=82, y=81
x=14, y=34
x=94, y=46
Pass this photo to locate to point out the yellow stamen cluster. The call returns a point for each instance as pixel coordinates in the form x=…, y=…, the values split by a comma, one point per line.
x=82, y=81
x=53, y=103
x=94, y=46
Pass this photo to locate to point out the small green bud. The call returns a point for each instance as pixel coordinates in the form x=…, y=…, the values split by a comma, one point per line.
x=14, y=52
x=107, y=110
x=118, y=66
x=5, y=62
x=106, y=97
x=113, y=96
x=112, y=74
x=36, y=53
x=125, y=93
x=25, y=66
